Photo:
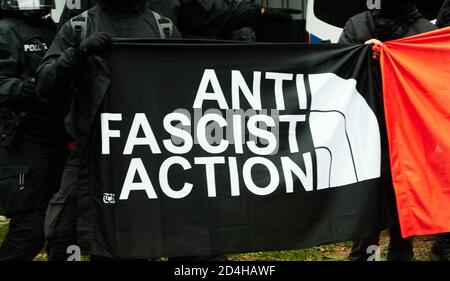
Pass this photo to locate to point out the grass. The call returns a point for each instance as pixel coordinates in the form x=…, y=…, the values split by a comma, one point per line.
x=335, y=252
x=3, y=230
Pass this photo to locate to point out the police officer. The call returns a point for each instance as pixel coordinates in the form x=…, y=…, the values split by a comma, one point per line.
x=212, y=19
x=70, y=61
x=393, y=20
x=443, y=18
x=33, y=140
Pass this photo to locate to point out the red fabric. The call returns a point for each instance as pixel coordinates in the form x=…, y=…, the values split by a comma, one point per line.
x=416, y=85
x=71, y=146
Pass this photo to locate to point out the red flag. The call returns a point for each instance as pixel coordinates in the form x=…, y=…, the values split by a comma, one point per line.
x=416, y=72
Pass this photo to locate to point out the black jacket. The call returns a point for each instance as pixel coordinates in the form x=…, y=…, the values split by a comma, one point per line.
x=60, y=74
x=215, y=17
x=361, y=28
x=22, y=47
x=443, y=19
x=195, y=18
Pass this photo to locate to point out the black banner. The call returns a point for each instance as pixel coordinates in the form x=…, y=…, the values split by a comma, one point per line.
x=203, y=149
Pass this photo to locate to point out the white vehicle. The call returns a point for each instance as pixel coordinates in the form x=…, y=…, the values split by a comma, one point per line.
x=325, y=19
x=56, y=13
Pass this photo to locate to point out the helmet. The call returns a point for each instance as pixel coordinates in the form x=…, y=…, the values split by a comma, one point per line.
x=26, y=5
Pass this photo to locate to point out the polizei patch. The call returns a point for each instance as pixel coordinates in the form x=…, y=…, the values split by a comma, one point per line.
x=35, y=46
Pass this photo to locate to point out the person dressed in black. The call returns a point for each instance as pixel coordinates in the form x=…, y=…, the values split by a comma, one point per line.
x=443, y=18
x=211, y=19
x=68, y=70
x=394, y=20
x=33, y=140
x=440, y=250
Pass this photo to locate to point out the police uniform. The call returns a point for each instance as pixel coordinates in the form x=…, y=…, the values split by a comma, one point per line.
x=34, y=135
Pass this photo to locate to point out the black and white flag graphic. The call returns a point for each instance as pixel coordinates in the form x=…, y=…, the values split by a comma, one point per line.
x=203, y=149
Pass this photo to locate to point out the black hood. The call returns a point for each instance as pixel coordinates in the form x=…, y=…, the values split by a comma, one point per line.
x=124, y=6
x=394, y=19
x=397, y=8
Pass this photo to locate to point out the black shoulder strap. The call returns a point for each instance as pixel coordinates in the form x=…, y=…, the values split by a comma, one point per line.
x=165, y=26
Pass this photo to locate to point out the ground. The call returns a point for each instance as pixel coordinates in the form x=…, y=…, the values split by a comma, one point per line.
x=335, y=252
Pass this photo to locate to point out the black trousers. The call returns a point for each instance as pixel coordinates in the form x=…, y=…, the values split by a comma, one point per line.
x=441, y=248
x=61, y=215
x=28, y=176
x=399, y=249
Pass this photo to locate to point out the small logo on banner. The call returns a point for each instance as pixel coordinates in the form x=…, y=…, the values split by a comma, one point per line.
x=109, y=198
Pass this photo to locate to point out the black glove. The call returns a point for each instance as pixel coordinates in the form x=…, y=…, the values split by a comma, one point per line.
x=95, y=44
x=279, y=14
x=28, y=88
